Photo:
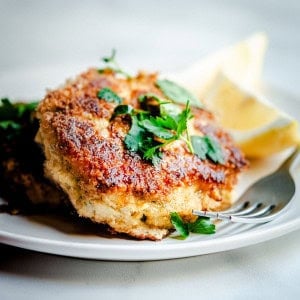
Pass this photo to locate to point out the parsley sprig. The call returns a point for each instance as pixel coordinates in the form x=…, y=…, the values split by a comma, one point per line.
x=109, y=95
x=151, y=131
x=207, y=147
x=202, y=225
x=160, y=123
x=113, y=65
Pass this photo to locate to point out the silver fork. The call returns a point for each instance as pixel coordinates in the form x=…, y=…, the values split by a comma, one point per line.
x=264, y=200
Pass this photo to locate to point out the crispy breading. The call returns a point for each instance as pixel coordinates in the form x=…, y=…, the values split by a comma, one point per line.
x=87, y=158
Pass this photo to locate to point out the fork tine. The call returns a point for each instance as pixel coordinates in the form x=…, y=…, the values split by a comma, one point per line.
x=262, y=216
x=277, y=188
x=237, y=207
x=248, y=210
x=262, y=212
x=254, y=220
x=241, y=212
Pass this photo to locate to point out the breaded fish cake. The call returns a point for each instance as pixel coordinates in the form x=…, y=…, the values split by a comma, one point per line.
x=105, y=181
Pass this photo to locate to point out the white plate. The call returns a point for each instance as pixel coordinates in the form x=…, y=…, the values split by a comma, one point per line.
x=61, y=236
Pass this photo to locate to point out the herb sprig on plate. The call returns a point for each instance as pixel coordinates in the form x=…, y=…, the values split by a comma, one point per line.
x=202, y=225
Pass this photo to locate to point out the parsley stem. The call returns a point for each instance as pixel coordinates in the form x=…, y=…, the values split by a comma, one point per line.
x=114, y=65
x=189, y=143
x=117, y=67
x=120, y=71
x=187, y=139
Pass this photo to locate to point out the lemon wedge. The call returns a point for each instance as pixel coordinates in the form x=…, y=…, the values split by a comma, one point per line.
x=242, y=61
x=225, y=81
x=259, y=128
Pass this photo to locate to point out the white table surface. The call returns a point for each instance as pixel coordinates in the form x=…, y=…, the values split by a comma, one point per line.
x=161, y=35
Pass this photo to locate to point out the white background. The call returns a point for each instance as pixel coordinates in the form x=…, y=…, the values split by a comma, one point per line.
x=155, y=35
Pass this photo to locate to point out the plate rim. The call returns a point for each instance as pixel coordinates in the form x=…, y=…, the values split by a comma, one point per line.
x=139, y=251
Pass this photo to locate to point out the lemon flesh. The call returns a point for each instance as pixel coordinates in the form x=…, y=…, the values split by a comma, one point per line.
x=259, y=128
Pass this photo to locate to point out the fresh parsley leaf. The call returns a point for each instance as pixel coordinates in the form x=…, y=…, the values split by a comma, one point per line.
x=200, y=146
x=214, y=150
x=180, y=226
x=149, y=132
x=151, y=103
x=170, y=109
x=108, y=95
x=176, y=92
x=122, y=110
x=151, y=150
x=167, y=128
x=150, y=96
x=112, y=64
x=135, y=137
x=142, y=141
x=202, y=225
x=165, y=122
x=152, y=126
x=207, y=147
x=155, y=156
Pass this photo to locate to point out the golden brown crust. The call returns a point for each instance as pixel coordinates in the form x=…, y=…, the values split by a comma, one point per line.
x=77, y=127
x=102, y=158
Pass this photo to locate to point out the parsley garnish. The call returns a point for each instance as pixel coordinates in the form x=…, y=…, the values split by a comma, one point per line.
x=177, y=93
x=13, y=116
x=122, y=110
x=151, y=131
x=160, y=124
x=202, y=225
x=112, y=64
x=108, y=95
x=207, y=147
